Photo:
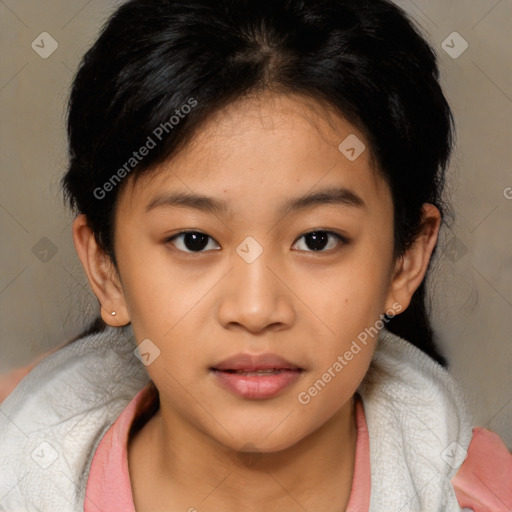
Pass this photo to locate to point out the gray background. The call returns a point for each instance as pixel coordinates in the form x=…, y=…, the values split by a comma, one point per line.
x=44, y=295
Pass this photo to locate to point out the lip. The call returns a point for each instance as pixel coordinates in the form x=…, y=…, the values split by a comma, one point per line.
x=254, y=362
x=236, y=374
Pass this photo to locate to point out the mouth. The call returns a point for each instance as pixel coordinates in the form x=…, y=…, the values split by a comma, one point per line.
x=256, y=376
x=257, y=373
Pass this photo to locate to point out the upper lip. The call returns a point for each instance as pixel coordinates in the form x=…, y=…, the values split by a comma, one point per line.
x=254, y=362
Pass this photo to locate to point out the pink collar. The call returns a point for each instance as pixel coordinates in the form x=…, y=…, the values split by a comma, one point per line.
x=109, y=487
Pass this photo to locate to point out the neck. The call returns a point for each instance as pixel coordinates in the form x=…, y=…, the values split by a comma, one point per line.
x=189, y=470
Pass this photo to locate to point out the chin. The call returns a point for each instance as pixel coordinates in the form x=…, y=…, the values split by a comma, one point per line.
x=263, y=438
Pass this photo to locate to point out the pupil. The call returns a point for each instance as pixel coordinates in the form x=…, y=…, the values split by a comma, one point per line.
x=317, y=240
x=195, y=241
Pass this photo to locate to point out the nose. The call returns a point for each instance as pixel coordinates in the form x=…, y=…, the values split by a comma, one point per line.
x=255, y=297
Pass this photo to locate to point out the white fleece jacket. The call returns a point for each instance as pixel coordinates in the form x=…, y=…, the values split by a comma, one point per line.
x=52, y=423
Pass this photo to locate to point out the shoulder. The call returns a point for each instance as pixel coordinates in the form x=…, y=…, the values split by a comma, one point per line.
x=484, y=481
x=407, y=389
x=418, y=425
x=53, y=420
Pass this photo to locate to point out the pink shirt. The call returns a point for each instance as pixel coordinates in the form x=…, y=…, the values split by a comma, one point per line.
x=483, y=483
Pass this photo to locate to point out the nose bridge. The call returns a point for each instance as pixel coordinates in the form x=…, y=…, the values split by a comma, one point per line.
x=253, y=277
x=254, y=296
x=256, y=289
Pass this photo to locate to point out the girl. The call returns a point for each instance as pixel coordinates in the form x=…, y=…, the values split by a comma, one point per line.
x=259, y=194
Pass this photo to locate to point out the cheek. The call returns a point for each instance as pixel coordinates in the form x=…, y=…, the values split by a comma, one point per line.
x=332, y=385
x=348, y=304
x=347, y=299
x=329, y=390
x=341, y=363
x=159, y=294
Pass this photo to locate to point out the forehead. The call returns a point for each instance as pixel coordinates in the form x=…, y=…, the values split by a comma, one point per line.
x=262, y=149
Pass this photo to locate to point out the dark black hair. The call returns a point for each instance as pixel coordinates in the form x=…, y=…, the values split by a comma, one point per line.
x=165, y=66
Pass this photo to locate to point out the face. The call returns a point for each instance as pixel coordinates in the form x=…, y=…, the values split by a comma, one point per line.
x=254, y=261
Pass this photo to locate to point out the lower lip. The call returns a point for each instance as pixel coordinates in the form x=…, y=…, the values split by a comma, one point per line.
x=257, y=387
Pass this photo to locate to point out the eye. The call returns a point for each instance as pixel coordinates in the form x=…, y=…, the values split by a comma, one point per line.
x=190, y=241
x=319, y=240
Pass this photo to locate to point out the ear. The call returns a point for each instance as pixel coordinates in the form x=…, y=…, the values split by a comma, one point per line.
x=411, y=267
x=101, y=273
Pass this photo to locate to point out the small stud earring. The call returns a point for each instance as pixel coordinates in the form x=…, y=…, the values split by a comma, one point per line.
x=113, y=313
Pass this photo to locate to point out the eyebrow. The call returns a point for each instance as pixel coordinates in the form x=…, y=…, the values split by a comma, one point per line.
x=334, y=195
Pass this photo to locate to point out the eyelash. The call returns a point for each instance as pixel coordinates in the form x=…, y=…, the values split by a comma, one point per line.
x=342, y=239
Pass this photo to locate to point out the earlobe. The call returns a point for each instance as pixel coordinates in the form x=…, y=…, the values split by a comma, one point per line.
x=411, y=267
x=101, y=274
